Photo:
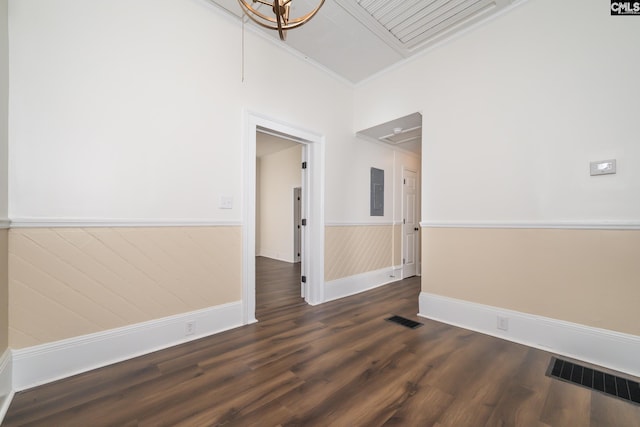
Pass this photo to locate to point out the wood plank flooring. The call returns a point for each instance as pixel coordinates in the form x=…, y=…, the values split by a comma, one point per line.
x=336, y=364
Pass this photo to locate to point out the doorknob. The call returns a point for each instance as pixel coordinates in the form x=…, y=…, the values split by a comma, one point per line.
x=416, y=228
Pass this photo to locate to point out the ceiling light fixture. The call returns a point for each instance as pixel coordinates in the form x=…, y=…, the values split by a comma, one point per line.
x=281, y=9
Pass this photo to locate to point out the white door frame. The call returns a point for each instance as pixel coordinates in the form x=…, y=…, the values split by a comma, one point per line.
x=297, y=226
x=313, y=250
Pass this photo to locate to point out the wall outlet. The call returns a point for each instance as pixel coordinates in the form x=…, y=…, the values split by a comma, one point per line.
x=190, y=328
x=503, y=323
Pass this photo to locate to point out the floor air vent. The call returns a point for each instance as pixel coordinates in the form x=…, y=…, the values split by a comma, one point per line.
x=612, y=385
x=404, y=321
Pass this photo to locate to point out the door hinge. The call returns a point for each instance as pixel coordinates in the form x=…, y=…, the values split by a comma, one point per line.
x=403, y=261
x=303, y=279
x=304, y=165
x=298, y=253
x=304, y=222
x=404, y=181
x=404, y=221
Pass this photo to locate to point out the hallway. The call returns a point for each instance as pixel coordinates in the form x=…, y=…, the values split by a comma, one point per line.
x=277, y=287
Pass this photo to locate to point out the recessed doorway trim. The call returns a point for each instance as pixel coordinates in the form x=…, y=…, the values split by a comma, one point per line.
x=313, y=250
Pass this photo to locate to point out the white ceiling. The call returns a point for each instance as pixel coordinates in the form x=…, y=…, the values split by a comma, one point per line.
x=404, y=132
x=356, y=39
x=269, y=143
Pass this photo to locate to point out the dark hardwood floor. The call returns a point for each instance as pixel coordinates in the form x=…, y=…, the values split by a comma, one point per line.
x=277, y=287
x=336, y=364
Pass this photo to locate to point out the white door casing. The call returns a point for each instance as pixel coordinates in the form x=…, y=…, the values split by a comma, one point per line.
x=304, y=229
x=297, y=223
x=312, y=208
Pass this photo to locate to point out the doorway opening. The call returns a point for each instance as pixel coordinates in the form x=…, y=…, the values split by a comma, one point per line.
x=311, y=206
x=405, y=134
x=279, y=230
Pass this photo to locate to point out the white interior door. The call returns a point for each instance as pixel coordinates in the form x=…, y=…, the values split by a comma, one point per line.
x=410, y=227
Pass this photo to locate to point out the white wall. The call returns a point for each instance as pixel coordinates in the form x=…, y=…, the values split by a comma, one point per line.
x=350, y=176
x=515, y=110
x=4, y=107
x=5, y=364
x=279, y=174
x=141, y=116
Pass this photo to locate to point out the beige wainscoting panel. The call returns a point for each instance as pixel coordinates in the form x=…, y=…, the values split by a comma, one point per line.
x=351, y=250
x=4, y=290
x=397, y=244
x=589, y=277
x=66, y=282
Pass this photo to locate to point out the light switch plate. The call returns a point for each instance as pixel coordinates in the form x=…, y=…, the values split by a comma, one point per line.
x=226, y=202
x=602, y=167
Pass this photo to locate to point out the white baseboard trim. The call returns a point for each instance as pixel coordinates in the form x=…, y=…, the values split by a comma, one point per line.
x=6, y=389
x=610, y=349
x=352, y=285
x=49, y=362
